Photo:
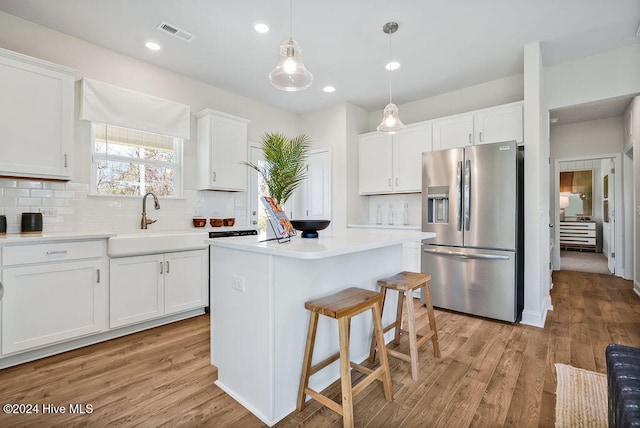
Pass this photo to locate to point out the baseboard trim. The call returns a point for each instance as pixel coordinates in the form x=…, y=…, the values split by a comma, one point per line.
x=636, y=287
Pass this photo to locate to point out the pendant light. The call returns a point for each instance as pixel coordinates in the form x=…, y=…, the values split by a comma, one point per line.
x=391, y=122
x=290, y=74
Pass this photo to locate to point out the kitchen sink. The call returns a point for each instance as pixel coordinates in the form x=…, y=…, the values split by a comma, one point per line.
x=148, y=242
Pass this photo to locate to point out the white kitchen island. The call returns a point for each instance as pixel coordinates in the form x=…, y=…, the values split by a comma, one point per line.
x=258, y=319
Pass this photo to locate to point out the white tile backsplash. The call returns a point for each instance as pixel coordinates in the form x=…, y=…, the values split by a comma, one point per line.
x=76, y=211
x=397, y=201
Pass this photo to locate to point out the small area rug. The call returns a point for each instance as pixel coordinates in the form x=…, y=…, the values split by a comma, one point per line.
x=581, y=398
x=579, y=261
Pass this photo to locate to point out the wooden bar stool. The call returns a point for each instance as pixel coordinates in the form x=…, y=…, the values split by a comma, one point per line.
x=342, y=306
x=405, y=283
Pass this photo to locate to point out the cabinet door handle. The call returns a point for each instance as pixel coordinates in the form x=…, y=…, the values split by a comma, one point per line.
x=161, y=266
x=469, y=137
x=98, y=276
x=167, y=266
x=480, y=137
x=214, y=176
x=1, y=290
x=389, y=182
x=49, y=253
x=65, y=160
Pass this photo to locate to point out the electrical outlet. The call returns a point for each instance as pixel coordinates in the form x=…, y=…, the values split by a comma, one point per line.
x=48, y=212
x=237, y=283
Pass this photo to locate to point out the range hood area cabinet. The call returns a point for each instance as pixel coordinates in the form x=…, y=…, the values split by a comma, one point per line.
x=489, y=125
x=36, y=117
x=393, y=163
x=222, y=147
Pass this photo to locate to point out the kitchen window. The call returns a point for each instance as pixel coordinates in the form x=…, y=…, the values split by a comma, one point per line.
x=129, y=162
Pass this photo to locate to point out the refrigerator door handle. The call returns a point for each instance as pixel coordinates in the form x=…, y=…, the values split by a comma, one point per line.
x=467, y=255
x=459, y=196
x=467, y=195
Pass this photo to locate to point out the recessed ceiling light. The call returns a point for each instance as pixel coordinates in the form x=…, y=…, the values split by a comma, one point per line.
x=153, y=46
x=329, y=89
x=392, y=66
x=261, y=27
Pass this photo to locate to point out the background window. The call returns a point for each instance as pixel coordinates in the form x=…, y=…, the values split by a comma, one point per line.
x=131, y=162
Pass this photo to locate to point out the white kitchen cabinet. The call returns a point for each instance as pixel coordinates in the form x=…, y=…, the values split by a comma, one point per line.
x=222, y=147
x=393, y=163
x=186, y=281
x=54, y=301
x=453, y=131
x=497, y=124
x=489, y=125
x=375, y=151
x=312, y=200
x=151, y=286
x=36, y=117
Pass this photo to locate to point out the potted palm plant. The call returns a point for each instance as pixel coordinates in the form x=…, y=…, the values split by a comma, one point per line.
x=283, y=168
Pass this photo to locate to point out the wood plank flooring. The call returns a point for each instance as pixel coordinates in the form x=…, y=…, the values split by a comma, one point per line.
x=490, y=373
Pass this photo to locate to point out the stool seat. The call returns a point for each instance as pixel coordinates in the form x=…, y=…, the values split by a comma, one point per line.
x=405, y=283
x=342, y=306
x=347, y=302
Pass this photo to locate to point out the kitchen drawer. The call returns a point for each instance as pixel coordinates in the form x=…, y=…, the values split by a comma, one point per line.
x=576, y=240
x=52, y=252
x=575, y=225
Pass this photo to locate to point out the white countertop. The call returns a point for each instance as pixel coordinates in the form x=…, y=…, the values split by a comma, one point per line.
x=329, y=244
x=19, y=238
x=385, y=226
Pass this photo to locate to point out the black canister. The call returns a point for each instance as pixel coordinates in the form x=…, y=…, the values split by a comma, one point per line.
x=31, y=223
x=3, y=225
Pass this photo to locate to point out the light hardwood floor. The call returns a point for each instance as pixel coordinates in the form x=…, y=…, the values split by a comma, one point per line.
x=490, y=373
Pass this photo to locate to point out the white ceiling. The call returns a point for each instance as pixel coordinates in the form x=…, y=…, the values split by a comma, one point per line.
x=442, y=45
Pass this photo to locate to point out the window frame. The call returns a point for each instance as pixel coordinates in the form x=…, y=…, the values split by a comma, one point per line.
x=178, y=165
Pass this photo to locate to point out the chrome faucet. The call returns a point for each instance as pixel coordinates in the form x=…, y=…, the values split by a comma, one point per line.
x=145, y=221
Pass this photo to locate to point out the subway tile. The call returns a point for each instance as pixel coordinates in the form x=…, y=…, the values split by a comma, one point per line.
x=16, y=193
x=28, y=184
x=23, y=202
x=64, y=193
x=39, y=193
x=8, y=183
x=53, y=185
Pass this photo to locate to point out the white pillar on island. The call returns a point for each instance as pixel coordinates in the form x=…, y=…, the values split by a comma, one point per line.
x=258, y=319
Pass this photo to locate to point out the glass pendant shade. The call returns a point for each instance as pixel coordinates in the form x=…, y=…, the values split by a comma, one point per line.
x=290, y=74
x=390, y=120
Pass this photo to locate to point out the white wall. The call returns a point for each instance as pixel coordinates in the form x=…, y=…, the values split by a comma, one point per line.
x=588, y=138
x=76, y=210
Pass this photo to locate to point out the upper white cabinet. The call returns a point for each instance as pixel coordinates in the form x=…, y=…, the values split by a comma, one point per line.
x=36, y=117
x=490, y=125
x=453, y=131
x=498, y=124
x=222, y=147
x=393, y=163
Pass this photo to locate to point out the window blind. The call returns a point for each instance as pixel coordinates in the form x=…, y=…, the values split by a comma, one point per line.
x=105, y=103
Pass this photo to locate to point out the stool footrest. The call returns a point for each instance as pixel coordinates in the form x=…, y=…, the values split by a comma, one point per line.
x=324, y=363
x=375, y=375
x=398, y=354
x=362, y=369
x=324, y=400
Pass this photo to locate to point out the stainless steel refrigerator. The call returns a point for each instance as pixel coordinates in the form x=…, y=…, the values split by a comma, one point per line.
x=473, y=201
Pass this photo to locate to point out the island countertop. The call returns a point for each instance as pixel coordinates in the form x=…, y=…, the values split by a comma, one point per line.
x=330, y=243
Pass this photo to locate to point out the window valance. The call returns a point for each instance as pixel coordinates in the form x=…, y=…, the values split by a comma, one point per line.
x=105, y=103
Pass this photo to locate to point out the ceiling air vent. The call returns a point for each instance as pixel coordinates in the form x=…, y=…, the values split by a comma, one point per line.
x=175, y=31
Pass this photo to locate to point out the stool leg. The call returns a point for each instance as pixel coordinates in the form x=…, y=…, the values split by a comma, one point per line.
x=308, y=354
x=396, y=339
x=345, y=373
x=372, y=352
x=413, y=346
x=432, y=319
x=382, y=352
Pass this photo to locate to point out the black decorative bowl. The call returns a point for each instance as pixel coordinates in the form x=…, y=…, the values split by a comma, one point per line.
x=309, y=228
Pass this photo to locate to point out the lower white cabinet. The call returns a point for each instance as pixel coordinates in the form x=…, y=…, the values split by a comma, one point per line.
x=54, y=301
x=150, y=286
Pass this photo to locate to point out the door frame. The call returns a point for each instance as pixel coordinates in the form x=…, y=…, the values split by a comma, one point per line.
x=620, y=226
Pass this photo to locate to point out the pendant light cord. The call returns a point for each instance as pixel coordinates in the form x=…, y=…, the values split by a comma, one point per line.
x=290, y=19
x=389, y=64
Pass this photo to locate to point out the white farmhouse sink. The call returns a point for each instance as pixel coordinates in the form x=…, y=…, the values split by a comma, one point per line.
x=150, y=242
